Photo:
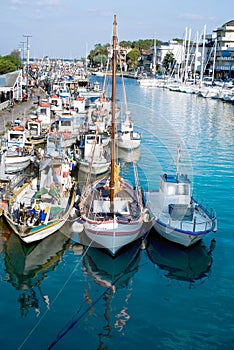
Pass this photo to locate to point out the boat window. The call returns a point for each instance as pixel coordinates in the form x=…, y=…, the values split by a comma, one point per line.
x=65, y=123
x=182, y=189
x=170, y=190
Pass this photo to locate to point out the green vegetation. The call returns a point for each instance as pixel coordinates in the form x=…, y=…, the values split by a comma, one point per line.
x=132, y=58
x=99, y=55
x=168, y=61
x=9, y=63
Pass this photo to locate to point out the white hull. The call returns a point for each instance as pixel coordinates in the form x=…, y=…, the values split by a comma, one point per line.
x=182, y=230
x=14, y=164
x=41, y=231
x=148, y=82
x=112, y=235
x=128, y=144
x=95, y=169
x=173, y=235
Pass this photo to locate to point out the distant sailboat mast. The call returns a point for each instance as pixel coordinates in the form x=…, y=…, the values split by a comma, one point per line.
x=155, y=56
x=203, y=55
x=214, y=60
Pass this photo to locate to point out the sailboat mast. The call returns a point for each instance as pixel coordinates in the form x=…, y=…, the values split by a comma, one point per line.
x=114, y=59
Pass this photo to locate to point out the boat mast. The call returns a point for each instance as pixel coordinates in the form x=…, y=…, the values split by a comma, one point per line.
x=114, y=59
x=154, y=57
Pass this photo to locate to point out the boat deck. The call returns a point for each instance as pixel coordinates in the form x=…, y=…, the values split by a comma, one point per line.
x=199, y=221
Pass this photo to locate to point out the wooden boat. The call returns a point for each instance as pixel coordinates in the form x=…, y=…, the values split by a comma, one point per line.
x=178, y=217
x=110, y=208
x=40, y=207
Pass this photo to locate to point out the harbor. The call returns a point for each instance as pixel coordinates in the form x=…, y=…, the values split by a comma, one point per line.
x=124, y=217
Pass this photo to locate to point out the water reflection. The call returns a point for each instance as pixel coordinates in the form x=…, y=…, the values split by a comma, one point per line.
x=113, y=274
x=129, y=156
x=28, y=265
x=184, y=264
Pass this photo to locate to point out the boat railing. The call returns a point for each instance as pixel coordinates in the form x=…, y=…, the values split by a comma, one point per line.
x=193, y=226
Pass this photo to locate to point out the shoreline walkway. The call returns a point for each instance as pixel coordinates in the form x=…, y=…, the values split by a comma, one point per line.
x=20, y=110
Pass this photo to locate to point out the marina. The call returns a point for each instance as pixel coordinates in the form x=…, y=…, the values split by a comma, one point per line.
x=130, y=294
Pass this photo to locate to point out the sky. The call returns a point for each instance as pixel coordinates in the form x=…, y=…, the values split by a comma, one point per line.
x=71, y=28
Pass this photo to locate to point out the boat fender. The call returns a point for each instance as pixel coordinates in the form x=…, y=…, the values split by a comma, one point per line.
x=146, y=215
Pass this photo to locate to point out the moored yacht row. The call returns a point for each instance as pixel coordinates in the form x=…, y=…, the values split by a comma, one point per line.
x=208, y=88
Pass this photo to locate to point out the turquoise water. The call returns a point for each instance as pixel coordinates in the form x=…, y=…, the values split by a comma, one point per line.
x=165, y=297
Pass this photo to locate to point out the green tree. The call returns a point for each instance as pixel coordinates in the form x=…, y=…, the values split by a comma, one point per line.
x=99, y=55
x=168, y=61
x=178, y=40
x=9, y=64
x=125, y=44
x=132, y=58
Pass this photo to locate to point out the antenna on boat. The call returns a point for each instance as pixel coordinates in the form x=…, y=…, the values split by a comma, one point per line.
x=178, y=162
x=114, y=59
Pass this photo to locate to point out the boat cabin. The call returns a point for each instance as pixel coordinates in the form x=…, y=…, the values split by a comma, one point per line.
x=174, y=192
x=91, y=143
x=64, y=123
x=79, y=104
x=43, y=114
x=34, y=127
x=56, y=103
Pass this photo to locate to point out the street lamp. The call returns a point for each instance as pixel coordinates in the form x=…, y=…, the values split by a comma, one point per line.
x=27, y=64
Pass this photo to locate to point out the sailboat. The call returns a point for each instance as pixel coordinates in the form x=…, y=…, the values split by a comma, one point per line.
x=110, y=208
x=151, y=81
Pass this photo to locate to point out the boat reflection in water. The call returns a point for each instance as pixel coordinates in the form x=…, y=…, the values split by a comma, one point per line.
x=115, y=276
x=129, y=156
x=185, y=264
x=28, y=265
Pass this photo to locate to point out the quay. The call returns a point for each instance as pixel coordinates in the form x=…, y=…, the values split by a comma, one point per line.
x=20, y=110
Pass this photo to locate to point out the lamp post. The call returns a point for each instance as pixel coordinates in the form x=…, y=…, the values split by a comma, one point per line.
x=27, y=64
